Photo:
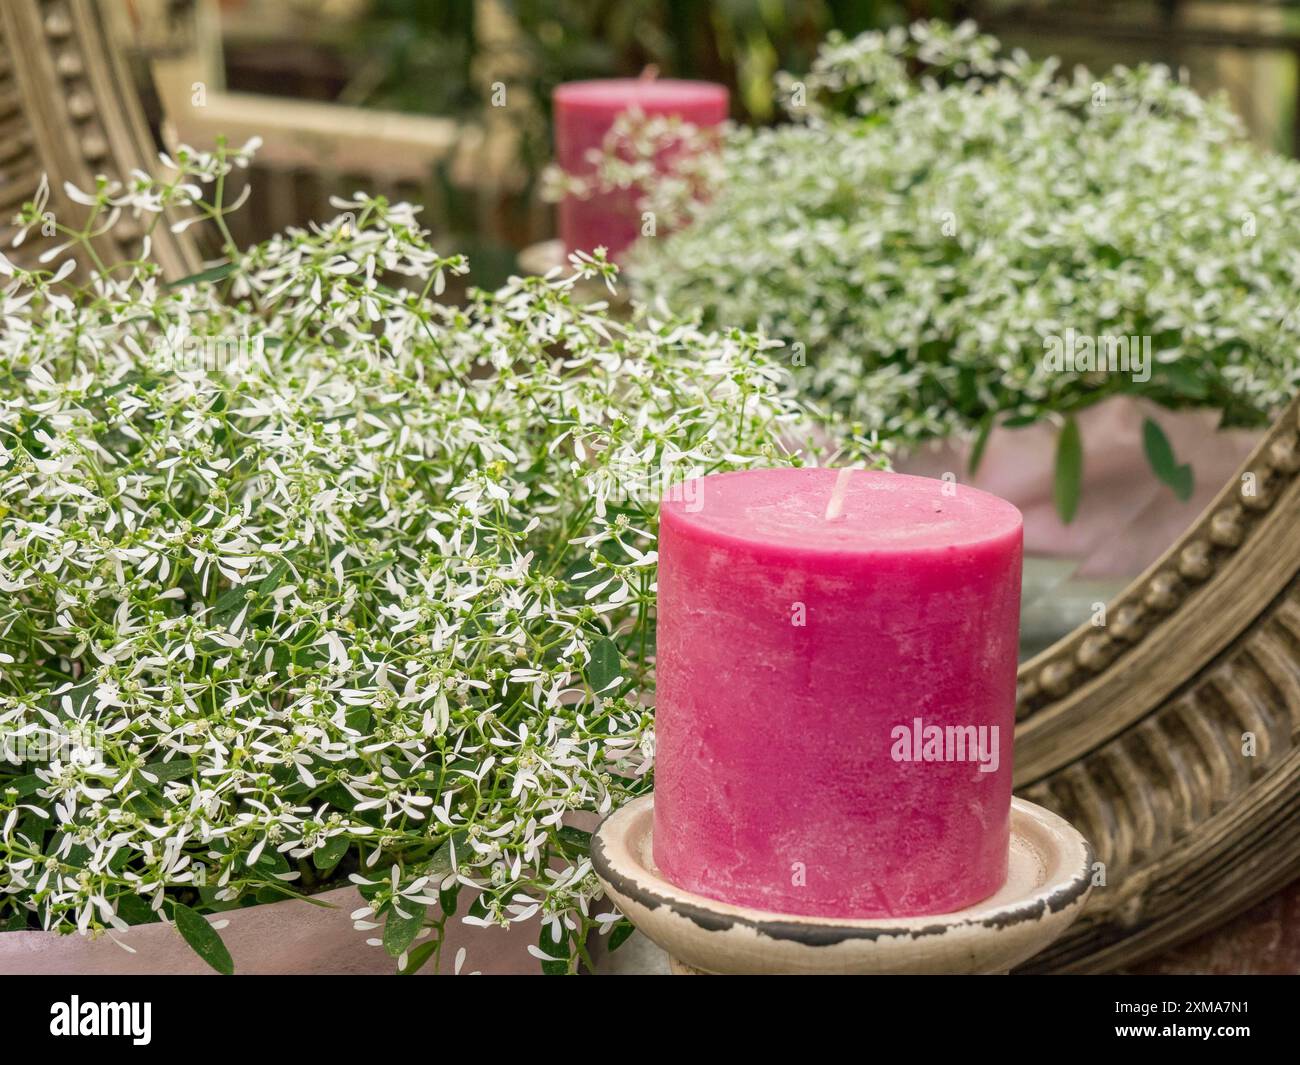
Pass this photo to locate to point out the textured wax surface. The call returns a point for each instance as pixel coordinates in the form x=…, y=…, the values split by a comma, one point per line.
x=584, y=111
x=610, y=97
x=774, y=781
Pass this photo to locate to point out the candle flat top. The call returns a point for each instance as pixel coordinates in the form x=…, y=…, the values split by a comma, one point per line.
x=876, y=512
x=650, y=94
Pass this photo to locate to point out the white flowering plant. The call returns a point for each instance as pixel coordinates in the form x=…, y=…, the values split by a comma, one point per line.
x=310, y=579
x=939, y=212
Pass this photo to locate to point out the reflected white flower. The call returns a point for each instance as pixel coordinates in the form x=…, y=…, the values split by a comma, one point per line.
x=914, y=239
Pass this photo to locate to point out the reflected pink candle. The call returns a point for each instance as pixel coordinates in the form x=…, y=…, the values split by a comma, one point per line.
x=584, y=112
x=836, y=697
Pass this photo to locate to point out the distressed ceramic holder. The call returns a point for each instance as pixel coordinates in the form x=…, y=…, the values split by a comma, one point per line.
x=1049, y=876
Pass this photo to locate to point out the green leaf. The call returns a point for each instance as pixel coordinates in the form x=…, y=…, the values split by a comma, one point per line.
x=419, y=957
x=447, y=899
x=338, y=797
x=575, y=837
x=1183, y=483
x=443, y=862
x=216, y=273
x=1020, y=421
x=269, y=862
x=77, y=695
x=274, y=578
x=1069, y=470
x=165, y=771
x=603, y=669
x=281, y=657
x=556, y=948
x=477, y=907
x=981, y=441
x=16, y=923
x=400, y=931
x=967, y=381
x=233, y=600
x=229, y=604
x=620, y=935
x=203, y=938
x=23, y=785
x=1185, y=381
x=328, y=856
x=134, y=910
x=1160, y=453
x=370, y=892
x=357, y=718
x=33, y=826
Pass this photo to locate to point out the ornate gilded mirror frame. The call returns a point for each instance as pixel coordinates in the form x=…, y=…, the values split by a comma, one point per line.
x=1168, y=733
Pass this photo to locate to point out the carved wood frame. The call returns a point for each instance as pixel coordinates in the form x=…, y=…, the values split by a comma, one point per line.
x=1132, y=730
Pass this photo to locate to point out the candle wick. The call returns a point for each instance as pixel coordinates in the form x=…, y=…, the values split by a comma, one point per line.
x=649, y=72
x=835, y=508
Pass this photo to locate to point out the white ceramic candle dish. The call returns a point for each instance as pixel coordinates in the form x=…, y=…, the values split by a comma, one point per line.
x=1048, y=881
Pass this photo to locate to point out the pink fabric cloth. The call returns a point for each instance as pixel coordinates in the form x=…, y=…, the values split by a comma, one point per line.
x=1126, y=518
x=290, y=938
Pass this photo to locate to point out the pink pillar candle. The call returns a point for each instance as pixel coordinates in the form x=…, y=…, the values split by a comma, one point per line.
x=584, y=112
x=835, y=696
